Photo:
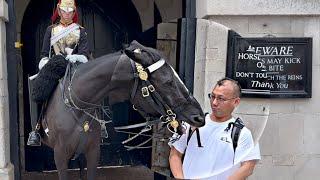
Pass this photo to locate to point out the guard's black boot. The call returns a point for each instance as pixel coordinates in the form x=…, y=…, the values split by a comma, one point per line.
x=34, y=139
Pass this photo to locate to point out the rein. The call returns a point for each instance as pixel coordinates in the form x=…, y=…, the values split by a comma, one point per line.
x=148, y=92
x=69, y=102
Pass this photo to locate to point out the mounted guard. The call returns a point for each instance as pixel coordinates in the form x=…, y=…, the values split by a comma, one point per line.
x=65, y=40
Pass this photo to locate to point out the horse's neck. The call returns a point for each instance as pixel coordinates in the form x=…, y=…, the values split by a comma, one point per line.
x=105, y=76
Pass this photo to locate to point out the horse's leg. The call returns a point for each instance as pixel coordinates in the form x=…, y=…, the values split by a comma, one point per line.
x=92, y=157
x=93, y=153
x=61, y=159
x=82, y=161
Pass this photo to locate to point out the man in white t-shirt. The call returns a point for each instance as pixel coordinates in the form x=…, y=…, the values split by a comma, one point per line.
x=216, y=159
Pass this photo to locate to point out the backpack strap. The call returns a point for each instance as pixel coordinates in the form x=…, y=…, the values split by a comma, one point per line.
x=189, y=135
x=190, y=132
x=235, y=132
x=198, y=136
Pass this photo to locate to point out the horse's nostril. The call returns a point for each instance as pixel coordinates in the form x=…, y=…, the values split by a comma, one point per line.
x=198, y=120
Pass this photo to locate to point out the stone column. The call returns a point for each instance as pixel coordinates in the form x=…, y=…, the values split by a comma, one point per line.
x=210, y=59
x=6, y=168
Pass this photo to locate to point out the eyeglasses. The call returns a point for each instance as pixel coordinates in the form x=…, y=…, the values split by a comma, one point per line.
x=220, y=100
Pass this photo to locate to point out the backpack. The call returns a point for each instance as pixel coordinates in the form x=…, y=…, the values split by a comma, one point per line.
x=237, y=126
x=235, y=131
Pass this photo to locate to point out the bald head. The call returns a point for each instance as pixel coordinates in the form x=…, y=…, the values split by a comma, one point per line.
x=236, y=86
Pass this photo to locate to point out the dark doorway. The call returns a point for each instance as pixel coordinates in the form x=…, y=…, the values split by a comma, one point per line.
x=109, y=25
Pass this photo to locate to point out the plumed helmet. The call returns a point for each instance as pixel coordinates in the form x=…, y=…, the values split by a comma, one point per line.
x=68, y=6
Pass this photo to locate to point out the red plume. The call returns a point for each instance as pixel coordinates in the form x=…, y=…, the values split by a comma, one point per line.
x=76, y=15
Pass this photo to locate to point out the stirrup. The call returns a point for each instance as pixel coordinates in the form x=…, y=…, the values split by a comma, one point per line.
x=103, y=131
x=34, y=139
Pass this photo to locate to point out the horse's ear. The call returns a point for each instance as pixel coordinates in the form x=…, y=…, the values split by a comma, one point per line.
x=141, y=54
x=134, y=52
x=135, y=55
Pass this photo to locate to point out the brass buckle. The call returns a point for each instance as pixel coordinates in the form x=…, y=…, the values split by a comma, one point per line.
x=143, y=75
x=145, y=91
x=86, y=126
x=38, y=127
x=169, y=112
x=174, y=124
x=151, y=88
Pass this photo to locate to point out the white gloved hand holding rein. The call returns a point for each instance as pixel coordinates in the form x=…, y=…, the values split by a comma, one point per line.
x=77, y=57
x=43, y=62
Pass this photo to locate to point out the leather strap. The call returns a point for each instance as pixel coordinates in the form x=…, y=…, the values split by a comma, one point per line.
x=63, y=33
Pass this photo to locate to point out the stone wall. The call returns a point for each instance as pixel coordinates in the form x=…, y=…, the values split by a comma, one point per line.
x=288, y=144
x=6, y=168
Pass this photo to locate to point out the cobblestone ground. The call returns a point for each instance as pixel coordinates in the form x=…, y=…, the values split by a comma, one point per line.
x=110, y=173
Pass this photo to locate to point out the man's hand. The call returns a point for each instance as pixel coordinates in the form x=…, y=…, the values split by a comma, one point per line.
x=76, y=57
x=175, y=160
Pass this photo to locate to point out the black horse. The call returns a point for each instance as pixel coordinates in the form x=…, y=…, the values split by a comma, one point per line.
x=140, y=75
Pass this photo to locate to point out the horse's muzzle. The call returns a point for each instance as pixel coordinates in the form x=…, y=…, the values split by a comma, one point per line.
x=197, y=121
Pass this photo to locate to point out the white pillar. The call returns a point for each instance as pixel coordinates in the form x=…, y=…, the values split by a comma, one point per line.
x=210, y=59
x=6, y=168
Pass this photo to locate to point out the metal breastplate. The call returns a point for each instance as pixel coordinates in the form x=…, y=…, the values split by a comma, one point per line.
x=70, y=40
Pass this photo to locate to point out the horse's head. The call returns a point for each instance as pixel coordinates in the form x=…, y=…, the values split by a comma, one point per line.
x=170, y=92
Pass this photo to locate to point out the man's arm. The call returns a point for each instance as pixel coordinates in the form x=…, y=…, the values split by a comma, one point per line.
x=247, y=153
x=175, y=160
x=245, y=170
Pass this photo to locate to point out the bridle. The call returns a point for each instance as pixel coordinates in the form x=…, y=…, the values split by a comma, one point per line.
x=149, y=93
x=151, y=96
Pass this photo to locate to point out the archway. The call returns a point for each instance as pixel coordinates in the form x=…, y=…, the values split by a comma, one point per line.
x=108, y=25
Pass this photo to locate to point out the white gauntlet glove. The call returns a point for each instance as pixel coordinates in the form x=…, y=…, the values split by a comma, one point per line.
x=43, y=62
x=76, y=57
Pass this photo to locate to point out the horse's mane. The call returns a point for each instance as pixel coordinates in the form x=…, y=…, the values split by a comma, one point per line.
x=83, y=68
x=48, y=77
